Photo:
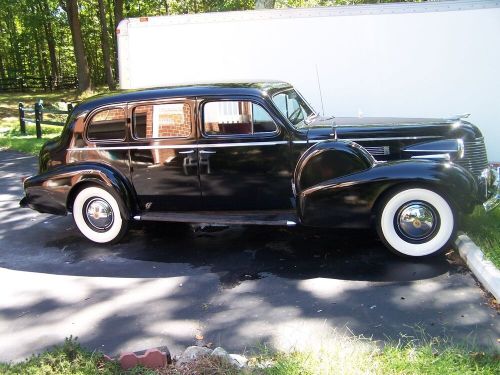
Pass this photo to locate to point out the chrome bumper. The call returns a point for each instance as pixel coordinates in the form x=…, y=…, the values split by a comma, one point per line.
x=491, y=178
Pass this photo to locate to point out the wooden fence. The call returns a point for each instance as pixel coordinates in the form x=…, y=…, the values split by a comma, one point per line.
x=38, y=83
x=38, y=110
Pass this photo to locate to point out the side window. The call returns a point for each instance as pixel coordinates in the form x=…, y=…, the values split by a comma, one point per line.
x=162, y=120
x=108, y=124
x=236, y=117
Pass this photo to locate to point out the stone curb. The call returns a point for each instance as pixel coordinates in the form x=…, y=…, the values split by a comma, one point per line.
x=484, y=270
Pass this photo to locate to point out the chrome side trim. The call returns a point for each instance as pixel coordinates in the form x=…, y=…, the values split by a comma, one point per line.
x=435, y=151
x=197, y=146
x=390, y=138
x=433, y=156
x=238, y=144
x=368, y=139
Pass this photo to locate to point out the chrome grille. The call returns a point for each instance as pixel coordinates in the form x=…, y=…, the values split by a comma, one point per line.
x=475, y=159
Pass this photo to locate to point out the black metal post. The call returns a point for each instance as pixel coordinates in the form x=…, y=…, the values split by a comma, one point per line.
x=38, y=118
x=70, y=108
x=22, y=123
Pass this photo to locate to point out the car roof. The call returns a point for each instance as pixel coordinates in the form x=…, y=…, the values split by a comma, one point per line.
x=255, y=88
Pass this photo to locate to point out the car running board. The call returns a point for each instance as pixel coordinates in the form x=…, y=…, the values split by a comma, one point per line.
x=281, y=218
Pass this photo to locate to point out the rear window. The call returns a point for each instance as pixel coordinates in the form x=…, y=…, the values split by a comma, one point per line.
x=108, y=124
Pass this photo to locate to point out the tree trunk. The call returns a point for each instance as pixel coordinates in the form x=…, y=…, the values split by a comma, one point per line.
x=108, y=72
x=41, y=67
x=2, y=68
x=14, y=45
x=49, y=36
x=82, y=66
x=118, y=12
x=264, y=4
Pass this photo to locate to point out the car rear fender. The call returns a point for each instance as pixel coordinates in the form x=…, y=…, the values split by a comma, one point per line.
x=55, y=190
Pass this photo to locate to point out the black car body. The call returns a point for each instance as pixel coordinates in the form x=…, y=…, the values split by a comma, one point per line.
x=257, y=153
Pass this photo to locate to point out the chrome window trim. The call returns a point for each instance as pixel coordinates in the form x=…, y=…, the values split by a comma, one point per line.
x=95, y=112
x=196, y=146
x=206, y=135
x=133, y=106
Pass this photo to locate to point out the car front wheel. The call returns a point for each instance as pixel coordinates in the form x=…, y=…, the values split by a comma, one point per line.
x=416, y=222
x=97, y=215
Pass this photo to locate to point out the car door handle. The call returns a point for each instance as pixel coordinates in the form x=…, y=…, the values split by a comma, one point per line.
x=207, y=152
x=186, y=152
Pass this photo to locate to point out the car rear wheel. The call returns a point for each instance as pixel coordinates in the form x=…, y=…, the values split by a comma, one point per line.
x=97, y=215
x=416, y=222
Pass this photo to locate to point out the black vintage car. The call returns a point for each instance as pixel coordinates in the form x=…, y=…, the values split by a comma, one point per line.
x=258, y=153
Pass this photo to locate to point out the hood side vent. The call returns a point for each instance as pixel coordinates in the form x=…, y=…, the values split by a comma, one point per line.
x=378, y=150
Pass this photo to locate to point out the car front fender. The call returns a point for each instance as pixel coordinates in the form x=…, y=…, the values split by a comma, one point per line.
x=350, y=200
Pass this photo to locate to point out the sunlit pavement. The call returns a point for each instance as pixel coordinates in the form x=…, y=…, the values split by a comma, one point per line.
x=238, y=287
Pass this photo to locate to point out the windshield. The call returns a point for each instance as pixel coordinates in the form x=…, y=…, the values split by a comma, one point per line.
x=293, y=107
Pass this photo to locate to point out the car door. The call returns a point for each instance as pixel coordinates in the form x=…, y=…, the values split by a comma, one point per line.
x=163, y=155
x=243, y=156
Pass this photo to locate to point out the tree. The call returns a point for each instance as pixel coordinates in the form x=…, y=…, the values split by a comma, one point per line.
x=264, y=4
x=118, y=12
x=43, y=9
x=108, y=72
x=82, y=66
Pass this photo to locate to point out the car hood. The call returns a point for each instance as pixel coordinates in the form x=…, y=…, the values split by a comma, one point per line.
x=390, y=127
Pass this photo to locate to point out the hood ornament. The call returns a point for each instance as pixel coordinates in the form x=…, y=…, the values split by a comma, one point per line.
x=459, y=117
x=334, y=130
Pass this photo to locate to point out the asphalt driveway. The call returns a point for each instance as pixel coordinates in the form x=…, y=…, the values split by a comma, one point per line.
x=237, y=286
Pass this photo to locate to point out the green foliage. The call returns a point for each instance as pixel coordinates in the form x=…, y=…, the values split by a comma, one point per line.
x=484, y=230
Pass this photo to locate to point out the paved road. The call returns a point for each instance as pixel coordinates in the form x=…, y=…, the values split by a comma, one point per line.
x=237, y=286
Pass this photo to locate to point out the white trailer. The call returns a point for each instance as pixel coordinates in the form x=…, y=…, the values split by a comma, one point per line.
x=413, y=59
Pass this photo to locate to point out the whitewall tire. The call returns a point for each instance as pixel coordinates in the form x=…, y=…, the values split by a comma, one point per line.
x=97, y=215
x=416, y=222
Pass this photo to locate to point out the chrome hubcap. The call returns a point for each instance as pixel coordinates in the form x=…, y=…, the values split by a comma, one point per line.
x=98, y=214
x=417, y=221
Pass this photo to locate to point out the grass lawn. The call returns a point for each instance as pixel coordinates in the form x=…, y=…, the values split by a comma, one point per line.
x=339, y=356
x=484, y=229
x=10, y=135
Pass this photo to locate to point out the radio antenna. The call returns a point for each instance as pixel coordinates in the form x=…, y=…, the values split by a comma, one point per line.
x=319, y=89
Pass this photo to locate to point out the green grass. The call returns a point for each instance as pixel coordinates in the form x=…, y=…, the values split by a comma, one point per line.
x=484, y=229
x=69, y=358
x=10, y=135
x=344, y=355
x=429, y=359
x=432, y=356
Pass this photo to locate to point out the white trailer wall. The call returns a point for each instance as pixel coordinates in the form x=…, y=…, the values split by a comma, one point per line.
x=427, y=59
